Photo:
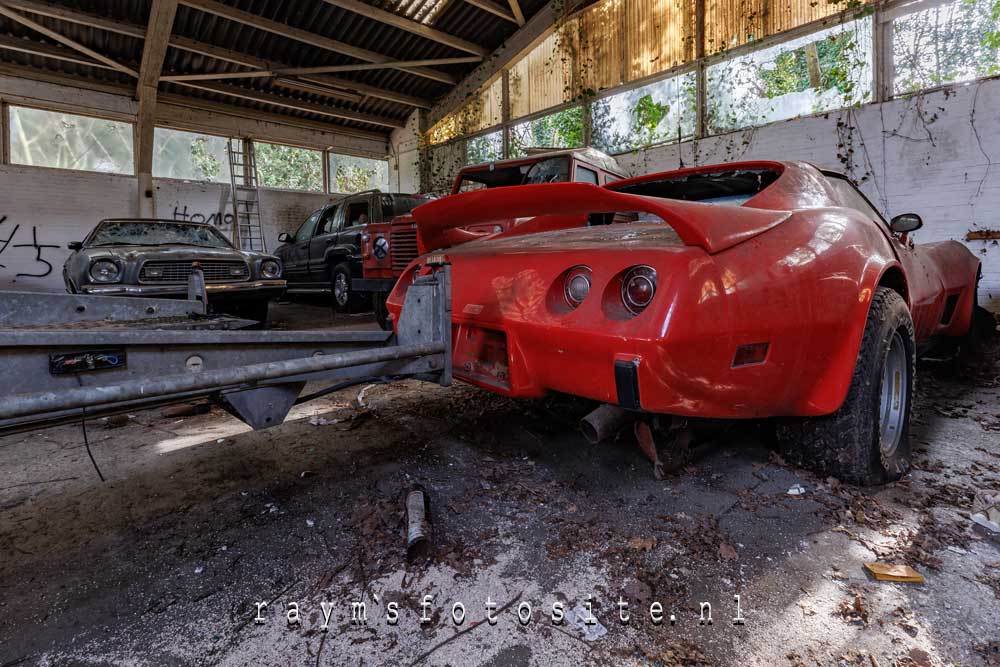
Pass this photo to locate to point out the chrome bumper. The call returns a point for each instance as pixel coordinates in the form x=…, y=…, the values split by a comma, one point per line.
x=264, y=288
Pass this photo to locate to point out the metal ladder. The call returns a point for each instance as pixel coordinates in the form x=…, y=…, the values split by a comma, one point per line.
x=248, y=233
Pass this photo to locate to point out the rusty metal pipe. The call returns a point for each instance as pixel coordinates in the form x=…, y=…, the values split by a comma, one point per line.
x=605, y=422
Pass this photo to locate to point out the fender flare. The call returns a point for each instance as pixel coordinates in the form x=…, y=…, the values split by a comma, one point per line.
x=830, y=392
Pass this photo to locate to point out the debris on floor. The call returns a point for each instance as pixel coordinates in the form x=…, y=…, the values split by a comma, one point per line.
x=902, y=573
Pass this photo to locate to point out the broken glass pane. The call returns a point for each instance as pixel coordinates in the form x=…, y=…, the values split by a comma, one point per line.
x=190, y=156
x=952, y=41
x=830, y=69
x=357, y=174
x=67, y=141
x=662, y=111
x=485, y=148
x=562, y=129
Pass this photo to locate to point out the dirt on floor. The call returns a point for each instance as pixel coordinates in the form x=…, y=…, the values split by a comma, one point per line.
x=201, y=521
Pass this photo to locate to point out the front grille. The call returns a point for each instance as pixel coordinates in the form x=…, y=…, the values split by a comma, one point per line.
x=403, y=247
x=179, y=271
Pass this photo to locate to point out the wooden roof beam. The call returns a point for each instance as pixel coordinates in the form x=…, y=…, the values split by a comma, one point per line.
x=246, y=18
x=409, y=25
x=65, y=41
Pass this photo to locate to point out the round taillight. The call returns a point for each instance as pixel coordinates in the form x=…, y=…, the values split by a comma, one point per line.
x=638, y=288
x=576, y=286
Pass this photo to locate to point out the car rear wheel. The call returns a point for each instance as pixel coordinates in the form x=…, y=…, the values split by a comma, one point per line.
x=866, y=441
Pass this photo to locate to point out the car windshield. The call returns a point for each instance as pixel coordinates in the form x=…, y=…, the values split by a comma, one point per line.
x=727, y=188
x=135, y=232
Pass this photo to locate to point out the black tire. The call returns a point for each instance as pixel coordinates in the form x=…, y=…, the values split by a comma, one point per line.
x=344, y=298
x=381, y=312
x=848, y=443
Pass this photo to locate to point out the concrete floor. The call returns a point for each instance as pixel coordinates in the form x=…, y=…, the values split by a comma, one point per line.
x=201, y=519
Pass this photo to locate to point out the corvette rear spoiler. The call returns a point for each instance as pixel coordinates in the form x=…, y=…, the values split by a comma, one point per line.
x=708, y=226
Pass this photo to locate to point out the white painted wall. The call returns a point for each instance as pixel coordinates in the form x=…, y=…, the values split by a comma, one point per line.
x=41, y=210
x=936, y=154
x=404, y=159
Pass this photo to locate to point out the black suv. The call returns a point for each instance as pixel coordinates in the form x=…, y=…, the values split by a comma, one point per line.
x=324, y=255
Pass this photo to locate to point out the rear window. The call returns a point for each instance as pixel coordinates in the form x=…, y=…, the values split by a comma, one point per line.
x=728, y=188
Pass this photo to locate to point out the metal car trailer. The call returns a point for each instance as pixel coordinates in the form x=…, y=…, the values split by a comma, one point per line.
x=70, y=357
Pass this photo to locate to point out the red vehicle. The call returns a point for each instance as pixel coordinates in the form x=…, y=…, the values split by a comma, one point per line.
x=738, y=291
x=389, y=247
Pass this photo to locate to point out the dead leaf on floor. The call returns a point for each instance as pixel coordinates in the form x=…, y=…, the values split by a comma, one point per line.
x=854, y=610
x=642, y=543
x=727, y=552
x=903, y=573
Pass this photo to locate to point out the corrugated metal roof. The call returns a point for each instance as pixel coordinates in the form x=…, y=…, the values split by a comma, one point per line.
x=454, y=17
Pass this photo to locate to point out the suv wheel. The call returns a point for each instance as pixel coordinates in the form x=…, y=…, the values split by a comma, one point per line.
x=345, y=298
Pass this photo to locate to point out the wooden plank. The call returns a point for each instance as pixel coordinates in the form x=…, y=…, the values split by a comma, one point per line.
x=66, y=41
x=51, y=51
x=410, y=25
x=493, y=8
x=319, y=41
x=295, y=105
x=515, y=8
x=154, y=49
x=324, y=69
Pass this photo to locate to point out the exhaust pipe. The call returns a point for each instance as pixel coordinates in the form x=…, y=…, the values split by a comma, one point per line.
x=604, y=422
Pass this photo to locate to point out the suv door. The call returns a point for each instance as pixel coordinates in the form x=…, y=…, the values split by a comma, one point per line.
x=325, y=236
x=296, y=257
x=358, y=212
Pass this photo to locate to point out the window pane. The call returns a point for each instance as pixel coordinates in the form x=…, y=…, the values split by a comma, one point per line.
x=487, y=148
x=826, y=70
x=66, y=141
x=190, y=156
x=356, y=174
x=661, y=111
x=563, y=129
x=288, y=167
x=956, y=41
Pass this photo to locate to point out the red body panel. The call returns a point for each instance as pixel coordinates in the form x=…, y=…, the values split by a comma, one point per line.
x=791, y=268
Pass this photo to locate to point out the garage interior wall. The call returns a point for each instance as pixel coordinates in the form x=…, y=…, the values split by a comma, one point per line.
x=42, y=209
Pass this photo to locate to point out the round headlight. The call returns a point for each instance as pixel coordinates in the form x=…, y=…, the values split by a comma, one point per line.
x=381, y=248
x=105, y=271
x=638, y=288
x=269, y=268
x=576, y=287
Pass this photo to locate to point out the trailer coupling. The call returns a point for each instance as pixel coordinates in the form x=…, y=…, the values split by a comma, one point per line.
x=69, y=356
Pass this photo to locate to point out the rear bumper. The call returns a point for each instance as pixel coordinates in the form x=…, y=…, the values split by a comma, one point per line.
x=252, y=289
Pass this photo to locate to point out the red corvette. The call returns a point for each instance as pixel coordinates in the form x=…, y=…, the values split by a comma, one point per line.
x=737, y=291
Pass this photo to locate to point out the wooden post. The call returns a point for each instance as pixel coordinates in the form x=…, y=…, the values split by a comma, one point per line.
x=701, y=95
